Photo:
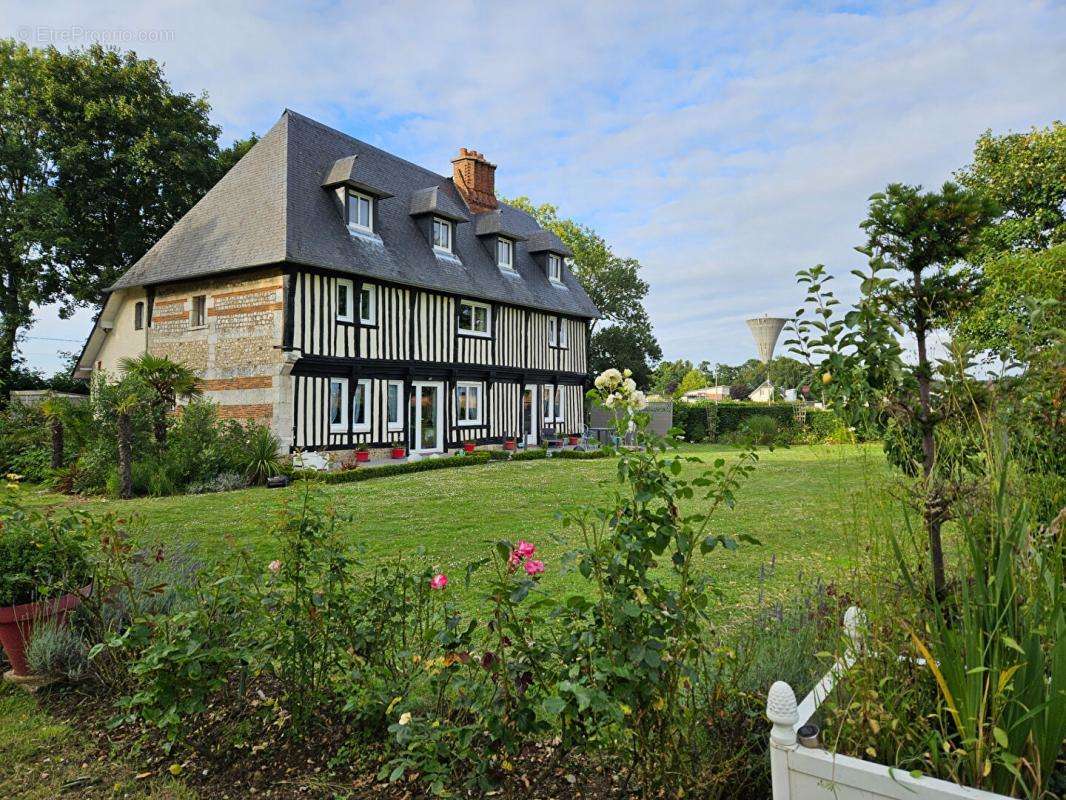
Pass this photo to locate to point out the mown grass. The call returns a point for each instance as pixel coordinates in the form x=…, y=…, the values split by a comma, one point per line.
x=802, y=503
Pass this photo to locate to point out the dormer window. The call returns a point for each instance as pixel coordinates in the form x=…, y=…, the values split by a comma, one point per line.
x=555, y=268
x=442, y=235
x=505, y=254
x=360, y=212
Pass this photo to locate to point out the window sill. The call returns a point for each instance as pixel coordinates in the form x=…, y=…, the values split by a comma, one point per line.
x=338, y=428
x=470, y=423
x=197, y=327
x=475, y=334
x=362, y=233
x=395, y=427
x=345, y=320
x=507, y=270
x=361, y=429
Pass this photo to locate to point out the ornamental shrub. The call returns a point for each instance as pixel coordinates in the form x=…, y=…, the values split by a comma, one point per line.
x=42, y=554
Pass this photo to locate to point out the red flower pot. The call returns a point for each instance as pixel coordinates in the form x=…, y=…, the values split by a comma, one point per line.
x=575, y=439
x=510, y=444
x=17, y=623
x=362, y=455
x=469, y=447
x=399, y=452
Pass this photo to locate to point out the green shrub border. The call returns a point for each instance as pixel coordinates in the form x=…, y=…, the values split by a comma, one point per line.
x=425, y=465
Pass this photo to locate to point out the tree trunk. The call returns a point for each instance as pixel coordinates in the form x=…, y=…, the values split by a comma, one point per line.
x=11, y=319
x=932, y=513
x=125, y=458
x=57, y=443
x=160, y=429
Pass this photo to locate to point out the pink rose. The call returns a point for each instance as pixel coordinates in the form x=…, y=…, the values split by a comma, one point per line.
x=524, y=549
x=274, y=566
x=438, y=581
x=534, y=567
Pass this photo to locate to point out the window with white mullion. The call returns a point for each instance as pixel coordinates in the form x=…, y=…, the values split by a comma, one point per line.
x=360, y=212
x=361, y=406
x=338, y=405
x=505, y=254
x=468, y=403
x=394, y=405
x=442, y=235
x=475, y=319
x=555, y=268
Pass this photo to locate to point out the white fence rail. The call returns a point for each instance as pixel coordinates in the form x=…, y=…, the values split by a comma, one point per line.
x=812, y=773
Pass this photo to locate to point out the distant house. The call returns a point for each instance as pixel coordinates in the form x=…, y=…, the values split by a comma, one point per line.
x=706, y=393
x=763, y=393
x=348, y=298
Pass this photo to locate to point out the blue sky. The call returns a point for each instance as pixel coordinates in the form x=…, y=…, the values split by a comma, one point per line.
x=725, y=145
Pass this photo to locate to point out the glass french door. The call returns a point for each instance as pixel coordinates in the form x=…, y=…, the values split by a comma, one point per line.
x=529, y=414
x=429, y=417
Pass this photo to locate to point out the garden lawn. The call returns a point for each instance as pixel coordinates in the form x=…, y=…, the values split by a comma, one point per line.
x=803, y=503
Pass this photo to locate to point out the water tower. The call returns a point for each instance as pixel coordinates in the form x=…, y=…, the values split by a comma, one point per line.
x=765, y=331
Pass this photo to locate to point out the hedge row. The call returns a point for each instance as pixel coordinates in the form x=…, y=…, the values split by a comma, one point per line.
x=399, y=468
x=709, y=421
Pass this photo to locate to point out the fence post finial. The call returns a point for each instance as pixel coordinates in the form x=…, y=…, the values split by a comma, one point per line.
x=781, y=711
x=855, y=627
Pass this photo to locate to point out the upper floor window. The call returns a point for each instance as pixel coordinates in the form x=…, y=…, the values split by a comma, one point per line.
x=199, y=311
x=138, y=317
x=344, y=301
x=555, y=268
x=553, y=331
x=564, y=337
x=368, y=295
x=475, y=318
x=360, y=212
x=505, y=254
x=442, y=235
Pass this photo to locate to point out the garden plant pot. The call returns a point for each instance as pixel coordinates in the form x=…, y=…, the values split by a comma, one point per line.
x=510, y=444
x=399, y=452
x=17, y=623
x=469, y=447
x=362, y=455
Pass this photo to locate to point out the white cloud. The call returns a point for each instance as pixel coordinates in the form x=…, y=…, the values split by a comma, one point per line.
x=725, y=148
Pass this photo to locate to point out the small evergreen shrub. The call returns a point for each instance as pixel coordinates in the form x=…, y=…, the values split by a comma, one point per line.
x=58, y=650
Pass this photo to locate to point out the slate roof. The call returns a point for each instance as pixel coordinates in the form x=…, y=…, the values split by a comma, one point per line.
x=272, y=208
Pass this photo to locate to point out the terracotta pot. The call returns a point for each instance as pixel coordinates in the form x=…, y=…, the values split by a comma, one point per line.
x=510, y=444
x=362, y=455
x=399, y=452
x=469, y=447
x=575, y=439
x=17, y=623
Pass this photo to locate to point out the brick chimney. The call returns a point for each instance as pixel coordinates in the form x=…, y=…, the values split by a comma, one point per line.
x=475, y=178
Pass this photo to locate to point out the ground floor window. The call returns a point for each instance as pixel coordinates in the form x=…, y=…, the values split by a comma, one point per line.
x=393, y=394
x=361, y=406
x=547, y=395
x=338, y=405
x=559, y=404
x=468, y=403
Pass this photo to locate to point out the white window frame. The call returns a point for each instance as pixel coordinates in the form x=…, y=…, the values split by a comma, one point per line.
x=342, y=426
x=193, y=324
x=562, y=337
x=555, y=268
x=479, y=393
x=368, y=406
x=547, y=408
x=474, y=305
x=553, y=331
x=447, y=226
x=397, y=424
x=557, y=400
x=354, y=196
x=372, y=317
x=350, y=286
x=507, y=265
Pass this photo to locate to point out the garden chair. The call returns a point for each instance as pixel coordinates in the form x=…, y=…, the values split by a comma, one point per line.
x=551, y=439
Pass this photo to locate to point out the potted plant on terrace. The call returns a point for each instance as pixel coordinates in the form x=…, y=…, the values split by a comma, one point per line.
x=399, y=451
x=362, y=455
x=42, y=557
x=510, y=444
x=469, y=445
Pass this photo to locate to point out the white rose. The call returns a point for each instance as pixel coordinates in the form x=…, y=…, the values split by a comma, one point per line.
x=405, y=718
x=610, y=400
x=630, y=384
x=627, y=372
x=639, y=400
x=600, y=381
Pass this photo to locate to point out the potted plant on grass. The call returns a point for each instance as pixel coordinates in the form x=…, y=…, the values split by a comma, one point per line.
x=42, y=557
x=469, y=445
x=362, y=455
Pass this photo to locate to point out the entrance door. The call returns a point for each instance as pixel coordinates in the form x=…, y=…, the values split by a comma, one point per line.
x=529, y=414
x=429, y=417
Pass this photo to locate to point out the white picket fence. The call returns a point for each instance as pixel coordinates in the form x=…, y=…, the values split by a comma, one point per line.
x=812, y=773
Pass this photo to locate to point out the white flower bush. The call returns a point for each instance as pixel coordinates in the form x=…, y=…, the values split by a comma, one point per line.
x=618, y=390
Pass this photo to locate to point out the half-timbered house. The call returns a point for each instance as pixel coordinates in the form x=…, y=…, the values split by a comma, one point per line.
x=349, y=298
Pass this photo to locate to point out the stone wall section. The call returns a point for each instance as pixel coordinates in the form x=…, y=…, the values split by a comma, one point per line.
x=237, y=351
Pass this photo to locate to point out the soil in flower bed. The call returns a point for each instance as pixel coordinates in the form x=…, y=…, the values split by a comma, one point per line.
x=220, y=764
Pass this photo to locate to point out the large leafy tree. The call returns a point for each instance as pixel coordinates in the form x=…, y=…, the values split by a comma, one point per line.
x=614, y=285
x=99, y=157
x=624, y=346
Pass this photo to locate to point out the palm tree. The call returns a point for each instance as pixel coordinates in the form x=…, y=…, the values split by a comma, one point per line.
x=167, y=381
x=124, y=418
x=54, y=411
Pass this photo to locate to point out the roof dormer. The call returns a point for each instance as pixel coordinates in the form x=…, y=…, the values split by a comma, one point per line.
x=548, y=251
x=499, y=238
x=357, y=198
x=437, y=215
